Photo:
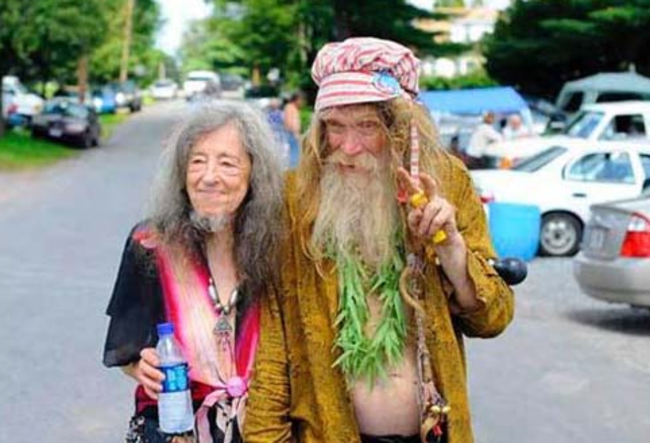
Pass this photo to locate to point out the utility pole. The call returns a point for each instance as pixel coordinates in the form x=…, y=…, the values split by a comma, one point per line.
x=126, y=45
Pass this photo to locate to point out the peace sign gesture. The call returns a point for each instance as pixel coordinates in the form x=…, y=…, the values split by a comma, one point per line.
x=434, y=215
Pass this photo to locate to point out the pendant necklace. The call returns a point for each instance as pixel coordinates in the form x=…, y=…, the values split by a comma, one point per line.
x=223, y=311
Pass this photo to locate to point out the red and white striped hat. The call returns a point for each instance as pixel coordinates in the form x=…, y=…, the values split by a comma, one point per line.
x=362, y=70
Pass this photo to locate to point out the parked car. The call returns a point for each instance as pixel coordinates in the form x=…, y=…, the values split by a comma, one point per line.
x=102, y=99
x=196, y=83
x=628, y=121
x=232, y=86
x=564, y=181
x=27, y=104
x=127, y=95
x=604, y=87
x=614, y=263
x=164, y=89
x=261, y=96
x=68, y=121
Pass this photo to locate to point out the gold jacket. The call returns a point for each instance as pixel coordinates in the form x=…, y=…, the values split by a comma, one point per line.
x=298, y=396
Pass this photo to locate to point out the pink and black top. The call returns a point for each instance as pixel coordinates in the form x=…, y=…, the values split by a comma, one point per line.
x=154, y=285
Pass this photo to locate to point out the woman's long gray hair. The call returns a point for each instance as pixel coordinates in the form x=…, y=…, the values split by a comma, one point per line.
x=257, y=223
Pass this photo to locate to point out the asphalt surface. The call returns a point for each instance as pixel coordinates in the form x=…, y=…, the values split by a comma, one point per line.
x=62, y=231
x=569, y=369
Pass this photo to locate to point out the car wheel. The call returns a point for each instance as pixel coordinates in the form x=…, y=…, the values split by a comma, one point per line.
x=87, y=140
x=560, y=235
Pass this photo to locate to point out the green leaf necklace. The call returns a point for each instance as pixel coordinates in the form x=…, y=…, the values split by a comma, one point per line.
x=363, y=357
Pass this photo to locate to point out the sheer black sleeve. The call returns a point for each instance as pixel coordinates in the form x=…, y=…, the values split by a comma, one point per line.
x=136, y=306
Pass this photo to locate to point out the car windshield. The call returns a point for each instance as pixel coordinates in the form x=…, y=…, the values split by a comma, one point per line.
x=162, y=83
x=66, y=109
x=261, y=91
x=584, y=124
x=539, y=160
x=200, y=78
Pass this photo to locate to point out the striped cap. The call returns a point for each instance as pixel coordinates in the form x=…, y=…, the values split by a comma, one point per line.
x=362, y=70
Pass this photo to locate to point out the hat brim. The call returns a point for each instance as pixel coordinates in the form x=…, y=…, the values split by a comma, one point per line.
x=350, y=88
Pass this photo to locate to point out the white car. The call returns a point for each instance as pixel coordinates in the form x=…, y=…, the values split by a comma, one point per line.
x=624, y=121
x=614, y=261
x=26, y=103
x=164, y=89
x=564, y=181
x=197, y=81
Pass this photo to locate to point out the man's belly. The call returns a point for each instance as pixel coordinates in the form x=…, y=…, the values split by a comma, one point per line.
x=390, y=406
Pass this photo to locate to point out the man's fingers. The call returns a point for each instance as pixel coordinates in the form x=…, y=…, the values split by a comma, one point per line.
x=405, y=180
x=430, y=186
x=413, y=219
x=442, y=218
x=429, y=213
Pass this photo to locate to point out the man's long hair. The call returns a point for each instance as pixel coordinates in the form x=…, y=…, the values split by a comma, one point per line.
x=257, y=223
x=396, y=116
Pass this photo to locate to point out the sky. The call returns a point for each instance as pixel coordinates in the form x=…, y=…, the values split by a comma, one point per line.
x=179, y=13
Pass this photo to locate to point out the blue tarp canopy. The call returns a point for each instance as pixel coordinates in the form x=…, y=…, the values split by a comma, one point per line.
x=503, y=100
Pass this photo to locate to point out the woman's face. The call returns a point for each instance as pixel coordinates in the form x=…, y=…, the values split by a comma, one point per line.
x=218, y=173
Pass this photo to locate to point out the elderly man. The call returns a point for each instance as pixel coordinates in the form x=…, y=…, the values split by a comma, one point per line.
x=515, y=128
x=385, y=271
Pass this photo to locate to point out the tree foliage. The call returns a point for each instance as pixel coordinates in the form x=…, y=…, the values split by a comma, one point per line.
x=540, y=44
x=144, y=58
x=287, y=34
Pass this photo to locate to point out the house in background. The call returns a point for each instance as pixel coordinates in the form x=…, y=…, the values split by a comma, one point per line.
x=461, y=25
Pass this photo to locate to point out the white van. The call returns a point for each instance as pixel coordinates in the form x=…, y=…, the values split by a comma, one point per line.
x=606, y=87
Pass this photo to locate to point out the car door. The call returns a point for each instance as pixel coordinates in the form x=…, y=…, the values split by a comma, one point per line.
x=600, y=176
x=630, y=126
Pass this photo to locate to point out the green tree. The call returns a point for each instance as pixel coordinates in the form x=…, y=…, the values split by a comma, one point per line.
x=286, y=34
x=144, y=58
x=45, y=39
x=540, y=44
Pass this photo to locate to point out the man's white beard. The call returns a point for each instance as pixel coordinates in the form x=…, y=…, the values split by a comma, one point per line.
x=209, y=224
x=358, y=213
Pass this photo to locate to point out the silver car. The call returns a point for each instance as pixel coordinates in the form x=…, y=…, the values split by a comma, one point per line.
x=614, y=264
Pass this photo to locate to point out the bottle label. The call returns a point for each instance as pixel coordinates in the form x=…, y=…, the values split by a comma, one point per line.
x=176, y=379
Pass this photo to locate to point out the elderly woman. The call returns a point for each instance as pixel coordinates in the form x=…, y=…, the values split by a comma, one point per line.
x=203, y=257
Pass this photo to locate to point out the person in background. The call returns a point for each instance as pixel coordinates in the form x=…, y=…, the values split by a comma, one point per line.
x=275, y=118
x=484, y=135
x=202, y=260
x=515, y=128
x=292, y=126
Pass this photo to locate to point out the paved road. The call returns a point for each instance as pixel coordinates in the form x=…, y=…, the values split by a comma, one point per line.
x=568, y=370
x=61, y=235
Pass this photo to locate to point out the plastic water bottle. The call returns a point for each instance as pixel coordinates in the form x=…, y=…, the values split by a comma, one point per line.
x=175, y=412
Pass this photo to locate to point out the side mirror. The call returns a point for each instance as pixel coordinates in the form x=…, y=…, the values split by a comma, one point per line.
x=646, y=184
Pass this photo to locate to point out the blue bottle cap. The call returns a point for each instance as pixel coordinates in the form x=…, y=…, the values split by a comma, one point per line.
x=165, y=329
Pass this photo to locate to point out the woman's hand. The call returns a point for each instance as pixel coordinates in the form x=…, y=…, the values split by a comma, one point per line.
x=145, y=371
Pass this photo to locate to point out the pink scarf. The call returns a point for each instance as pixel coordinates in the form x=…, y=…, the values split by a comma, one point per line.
x=210, y=358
